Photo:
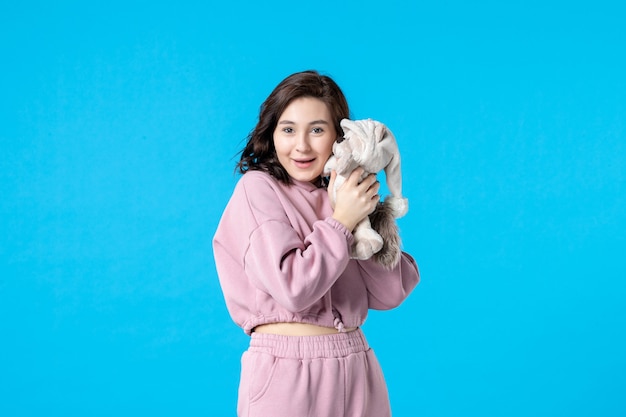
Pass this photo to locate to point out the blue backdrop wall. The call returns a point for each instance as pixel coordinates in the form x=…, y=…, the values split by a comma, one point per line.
x=120, y=125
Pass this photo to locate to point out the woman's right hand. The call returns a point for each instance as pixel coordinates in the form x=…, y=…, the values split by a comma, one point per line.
x=355, y=199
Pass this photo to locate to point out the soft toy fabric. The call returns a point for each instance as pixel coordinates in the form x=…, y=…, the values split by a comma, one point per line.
x=370, y=144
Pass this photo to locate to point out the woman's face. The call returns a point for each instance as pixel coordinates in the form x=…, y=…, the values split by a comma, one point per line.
x=304, y=138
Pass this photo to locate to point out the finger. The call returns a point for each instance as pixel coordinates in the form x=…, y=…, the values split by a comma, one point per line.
x=358, y=172
x=375, y=182
x=355, y=176
x=370, y=181
x=373, y=203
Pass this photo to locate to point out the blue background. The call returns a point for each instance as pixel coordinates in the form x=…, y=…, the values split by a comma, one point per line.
x=120, y=126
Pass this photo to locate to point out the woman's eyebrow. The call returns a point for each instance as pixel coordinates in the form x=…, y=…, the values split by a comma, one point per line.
x=314, y=122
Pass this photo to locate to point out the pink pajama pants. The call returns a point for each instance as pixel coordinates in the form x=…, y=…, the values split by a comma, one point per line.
x=311, y=376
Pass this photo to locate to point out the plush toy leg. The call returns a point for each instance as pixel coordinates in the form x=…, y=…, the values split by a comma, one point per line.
x=366, y=241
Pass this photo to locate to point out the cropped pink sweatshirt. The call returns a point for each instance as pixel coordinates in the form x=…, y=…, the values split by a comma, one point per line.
x=281, y=257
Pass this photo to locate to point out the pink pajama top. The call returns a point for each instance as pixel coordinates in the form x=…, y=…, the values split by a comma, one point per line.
x=281, y=257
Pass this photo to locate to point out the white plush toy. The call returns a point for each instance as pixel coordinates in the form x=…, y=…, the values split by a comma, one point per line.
x=371, y=145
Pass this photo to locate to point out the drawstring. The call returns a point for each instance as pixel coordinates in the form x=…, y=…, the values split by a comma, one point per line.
x=337, y=322
x=339, y=325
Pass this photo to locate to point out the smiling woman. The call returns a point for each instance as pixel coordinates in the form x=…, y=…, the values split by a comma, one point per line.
x=282, y=252
x=259, y=153
x=304, y=138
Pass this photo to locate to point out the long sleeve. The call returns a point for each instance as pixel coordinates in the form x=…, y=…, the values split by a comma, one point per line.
x=387, y=289
x=296, y=272
x=295, y=267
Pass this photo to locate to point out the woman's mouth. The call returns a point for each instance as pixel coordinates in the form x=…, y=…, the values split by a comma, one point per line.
x=303, y=163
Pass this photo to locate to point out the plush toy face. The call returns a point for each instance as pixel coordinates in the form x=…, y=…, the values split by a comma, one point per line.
x=364, y=145
x=345, y=162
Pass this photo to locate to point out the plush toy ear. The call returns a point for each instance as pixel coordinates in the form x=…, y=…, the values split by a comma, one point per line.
x=380, y=132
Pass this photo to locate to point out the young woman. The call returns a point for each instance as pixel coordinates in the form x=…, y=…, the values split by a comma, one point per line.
x=283, y=260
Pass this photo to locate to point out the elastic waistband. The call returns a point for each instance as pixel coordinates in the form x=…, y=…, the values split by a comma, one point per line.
x=309, y=347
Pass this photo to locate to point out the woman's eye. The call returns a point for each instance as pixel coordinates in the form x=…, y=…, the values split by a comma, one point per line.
x=287, y=130
x=318, y=130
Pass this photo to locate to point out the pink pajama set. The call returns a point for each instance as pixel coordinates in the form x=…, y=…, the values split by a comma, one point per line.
x=281, y=258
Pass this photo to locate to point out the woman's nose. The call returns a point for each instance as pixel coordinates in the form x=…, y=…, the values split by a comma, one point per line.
x=302, y=143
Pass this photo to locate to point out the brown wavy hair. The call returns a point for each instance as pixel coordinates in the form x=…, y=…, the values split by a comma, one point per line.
x=259, y=152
